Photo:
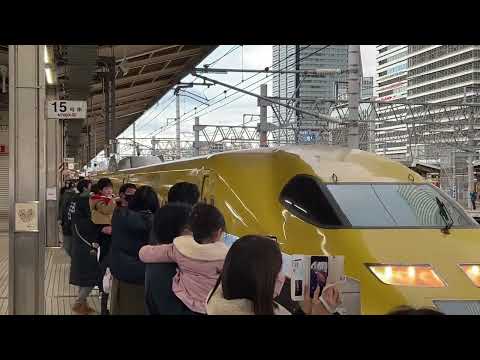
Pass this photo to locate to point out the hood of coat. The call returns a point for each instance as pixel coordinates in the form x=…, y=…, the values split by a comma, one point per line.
x=218, y=305
x=100, y=198
x=188, y=247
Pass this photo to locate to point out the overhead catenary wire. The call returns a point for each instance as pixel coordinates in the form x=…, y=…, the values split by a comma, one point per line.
x=161, y=111
x=232, y=49
x=202, y=112
x=269, y=75
x=235, y=92
x=254, y=75
x=243, y=80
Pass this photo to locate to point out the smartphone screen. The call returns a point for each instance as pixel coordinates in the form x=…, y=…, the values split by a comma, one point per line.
x=297, y=277
x=318, y=273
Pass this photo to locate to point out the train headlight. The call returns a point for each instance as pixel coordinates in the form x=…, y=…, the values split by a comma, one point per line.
x=473, y=272
x=407, y=275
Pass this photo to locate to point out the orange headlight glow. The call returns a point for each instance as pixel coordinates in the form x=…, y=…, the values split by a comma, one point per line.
x=407, y=275
x=473, y=272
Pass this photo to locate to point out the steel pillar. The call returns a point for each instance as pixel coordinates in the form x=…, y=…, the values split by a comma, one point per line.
x=27, y=180
x=196, y=131
x=354, y=77
x=110, y=123
x=134, y=141
x=52, y=174
x=177, y=126
x=263, y=117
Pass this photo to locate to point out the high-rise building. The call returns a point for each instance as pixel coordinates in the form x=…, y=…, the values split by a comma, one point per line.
x=311, y=89
x=421, y=73
x=391, y=83
x=392, y=72
x=367, y=87
x=442, y=73
x=366, y=91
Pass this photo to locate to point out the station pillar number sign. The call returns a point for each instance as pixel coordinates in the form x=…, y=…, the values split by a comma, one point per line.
x=70, y=162
x=67, y=109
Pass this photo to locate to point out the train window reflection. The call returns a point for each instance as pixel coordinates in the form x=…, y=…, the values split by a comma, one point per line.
x=395, y=205
x=303, y=197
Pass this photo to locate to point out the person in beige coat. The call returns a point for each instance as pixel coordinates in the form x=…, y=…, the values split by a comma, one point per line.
x=251, y=279
x=102, y=206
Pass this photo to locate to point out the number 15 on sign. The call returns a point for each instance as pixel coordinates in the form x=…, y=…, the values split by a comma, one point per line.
x=67, y=109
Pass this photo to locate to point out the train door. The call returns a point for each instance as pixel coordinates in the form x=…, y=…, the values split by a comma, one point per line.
x=208, y=188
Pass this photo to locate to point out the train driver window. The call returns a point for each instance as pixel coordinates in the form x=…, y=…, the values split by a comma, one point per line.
x=304, y=198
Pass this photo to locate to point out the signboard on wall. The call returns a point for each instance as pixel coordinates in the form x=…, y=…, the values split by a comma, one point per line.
x=3, y=142
x=67, y=109
x=26, y=217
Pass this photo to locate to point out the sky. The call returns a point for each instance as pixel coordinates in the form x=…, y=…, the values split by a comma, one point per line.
x=225, y=108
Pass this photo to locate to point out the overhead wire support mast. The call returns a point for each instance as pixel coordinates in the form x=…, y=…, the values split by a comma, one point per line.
x=269, y=100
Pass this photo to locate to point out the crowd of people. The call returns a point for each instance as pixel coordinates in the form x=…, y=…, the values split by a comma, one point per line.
x=171, y=259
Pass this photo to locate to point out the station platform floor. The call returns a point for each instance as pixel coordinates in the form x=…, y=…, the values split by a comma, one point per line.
x=59, y=294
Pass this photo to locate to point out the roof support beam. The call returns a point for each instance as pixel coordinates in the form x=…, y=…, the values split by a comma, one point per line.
x=145, y=76
x=119, y=108
x=120, y=93
x=131, y=51
x=132, y=99
x=164, y=58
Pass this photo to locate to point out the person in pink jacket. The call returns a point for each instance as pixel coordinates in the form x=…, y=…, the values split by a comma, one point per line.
x=199, y=256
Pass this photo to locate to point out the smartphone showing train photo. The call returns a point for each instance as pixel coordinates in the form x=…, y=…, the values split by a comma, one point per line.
x=318, y=273
x=314, y=271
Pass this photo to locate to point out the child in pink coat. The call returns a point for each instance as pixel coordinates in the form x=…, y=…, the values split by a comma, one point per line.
x=199, y=257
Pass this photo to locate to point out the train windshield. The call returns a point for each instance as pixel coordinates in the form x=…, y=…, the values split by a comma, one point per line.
x=397, y=205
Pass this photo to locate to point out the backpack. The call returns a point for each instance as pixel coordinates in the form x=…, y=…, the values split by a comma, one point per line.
x=68, y=211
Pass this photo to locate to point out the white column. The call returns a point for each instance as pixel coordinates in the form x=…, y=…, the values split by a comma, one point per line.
x=354, y=76
x=27, y=180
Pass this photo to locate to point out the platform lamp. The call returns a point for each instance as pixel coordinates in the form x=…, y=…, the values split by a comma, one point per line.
x=50, y=68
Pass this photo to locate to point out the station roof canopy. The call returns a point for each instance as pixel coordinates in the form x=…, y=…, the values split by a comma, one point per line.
x=143, y=75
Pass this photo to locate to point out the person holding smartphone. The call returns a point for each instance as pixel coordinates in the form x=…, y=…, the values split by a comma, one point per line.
x=251, y=279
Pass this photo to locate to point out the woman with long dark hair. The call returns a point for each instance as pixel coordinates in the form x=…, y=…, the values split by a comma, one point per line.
x=170, y=222
x=199, y=257
x=130, y=231
x=251, y=279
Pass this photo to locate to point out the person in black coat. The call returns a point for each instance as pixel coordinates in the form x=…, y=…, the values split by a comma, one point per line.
x=170, y=222
x=84, y=268
x=130, y=231
x=65, y=220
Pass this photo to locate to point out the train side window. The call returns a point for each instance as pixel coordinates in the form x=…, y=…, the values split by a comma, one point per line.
x=304, y=198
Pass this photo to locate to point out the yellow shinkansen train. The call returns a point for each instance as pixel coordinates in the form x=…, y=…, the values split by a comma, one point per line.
x=405, y=241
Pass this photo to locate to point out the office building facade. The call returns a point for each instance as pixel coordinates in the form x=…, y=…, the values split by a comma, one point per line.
x=391, y=84
x=421, y=73
x=312, y=90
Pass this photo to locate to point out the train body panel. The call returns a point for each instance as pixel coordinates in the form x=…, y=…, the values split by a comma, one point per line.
x=247, y=185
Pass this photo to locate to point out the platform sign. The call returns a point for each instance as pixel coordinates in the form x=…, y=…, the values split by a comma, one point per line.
x=69, y=160
x=67, y=109
x=52, y=193
x=3, y=149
